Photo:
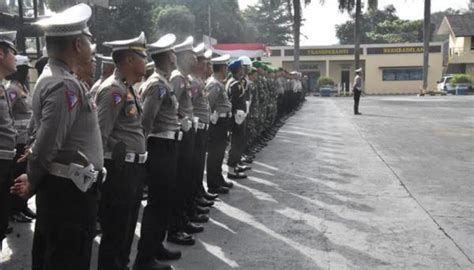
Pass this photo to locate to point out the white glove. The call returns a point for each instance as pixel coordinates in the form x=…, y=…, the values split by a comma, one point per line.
x=195, y=123
x=239, y=117
x=82, y=177
x=186, y=124
x=247, y=103
x=214, y=117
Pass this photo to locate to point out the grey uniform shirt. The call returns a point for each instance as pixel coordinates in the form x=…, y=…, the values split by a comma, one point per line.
x=218, y=98
x=7, y=131
x=182, y=90
x=160, y=106
x=358, y=82
x=65, y=121
x=200, y=100
x=95, y=88
x=20, y=101
x=120, y=115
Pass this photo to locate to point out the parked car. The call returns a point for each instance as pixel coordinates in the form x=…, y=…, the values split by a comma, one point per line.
x=445, y=84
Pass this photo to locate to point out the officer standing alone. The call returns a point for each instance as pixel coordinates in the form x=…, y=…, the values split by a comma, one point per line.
x=357, y=89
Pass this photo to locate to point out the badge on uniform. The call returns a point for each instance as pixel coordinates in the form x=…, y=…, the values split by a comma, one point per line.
x=71, y=99
x=161, y=92
x=13, y=95
x=131, y=109
x=117, y=98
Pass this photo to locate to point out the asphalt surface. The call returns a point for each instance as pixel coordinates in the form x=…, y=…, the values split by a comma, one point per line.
x=390, y=189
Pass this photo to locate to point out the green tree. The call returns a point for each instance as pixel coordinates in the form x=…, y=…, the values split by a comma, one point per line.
x=295, y=9
x=270, y=25
x=349, y=5
x=426, y=43
x=381, y=26
x=221, y=18
x=174, y=19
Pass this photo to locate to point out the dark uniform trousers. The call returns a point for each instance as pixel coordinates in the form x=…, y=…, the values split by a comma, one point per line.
x=120, y=202
x=356, y=100
x=184, y=180
x=6, y=169
x=216, y=151
x=199, y=159
x=17, y=203
x=237, y=143
x=161, y=167
x=65, y=225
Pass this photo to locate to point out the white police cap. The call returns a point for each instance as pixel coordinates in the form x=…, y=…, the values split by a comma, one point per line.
x=9, y=39
x=186, y=45
x=164, y=44
x=150, y=66
x=208, y=54
x=71, y=22
x=221, y=60
x=22, y=60
x=199, y=50
x=245, y=60
x=137, y=44
x=106, y=60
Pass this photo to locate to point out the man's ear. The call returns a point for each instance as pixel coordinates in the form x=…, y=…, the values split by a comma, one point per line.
x=2, y=54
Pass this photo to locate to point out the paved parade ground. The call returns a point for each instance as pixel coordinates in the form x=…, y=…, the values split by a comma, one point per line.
x=390, y=189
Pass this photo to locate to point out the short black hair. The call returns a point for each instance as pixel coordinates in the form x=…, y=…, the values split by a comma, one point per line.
x=4, y=47
x=56, y=45
x=20, y=75
x=217, y=67
x=119, y=56
x=160, y=57
x=40, y=64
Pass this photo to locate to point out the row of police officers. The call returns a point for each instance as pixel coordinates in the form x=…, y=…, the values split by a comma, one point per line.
x=110, y=139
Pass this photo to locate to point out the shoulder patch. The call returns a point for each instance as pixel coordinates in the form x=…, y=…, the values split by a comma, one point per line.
x=12, y=95
x=161, y=92
x=117, y=98
x=72, y=99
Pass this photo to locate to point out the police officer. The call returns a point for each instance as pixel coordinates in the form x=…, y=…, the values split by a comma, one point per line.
x=161, y=126
x=237, y=98
x=186, y=60
x=107, y=69
x=120, y=115
x=201, y=111
x=357, y=89
x=20, y=101
x=7, y=130
x=220, y=118
x=63, y=168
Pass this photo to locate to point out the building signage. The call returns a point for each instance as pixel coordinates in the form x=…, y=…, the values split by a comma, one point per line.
x=324, y=51
x=401, y=50
x=304, y=65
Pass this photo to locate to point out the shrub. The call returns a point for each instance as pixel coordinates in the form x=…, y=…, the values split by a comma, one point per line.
x=460, y=78
x=325, y=81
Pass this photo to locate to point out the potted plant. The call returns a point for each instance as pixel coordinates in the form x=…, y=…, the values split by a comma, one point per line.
x=462, y=82
x=326, y=86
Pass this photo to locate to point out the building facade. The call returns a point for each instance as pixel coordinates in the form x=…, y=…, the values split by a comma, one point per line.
x=388, y=68
x=459, y=30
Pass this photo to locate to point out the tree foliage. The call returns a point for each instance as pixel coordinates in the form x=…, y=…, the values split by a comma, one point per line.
x=381, y=26
x=269, y=24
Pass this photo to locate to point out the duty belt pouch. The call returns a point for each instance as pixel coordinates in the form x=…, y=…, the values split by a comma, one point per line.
x=118, y=155
x=83, y=177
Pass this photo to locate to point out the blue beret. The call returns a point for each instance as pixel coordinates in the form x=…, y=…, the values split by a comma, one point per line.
x=235, y=65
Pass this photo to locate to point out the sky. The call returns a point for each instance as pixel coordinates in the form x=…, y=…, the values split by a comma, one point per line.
x=319, y=27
